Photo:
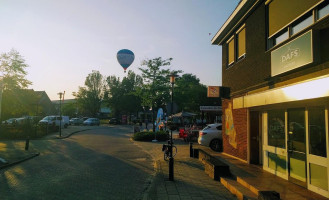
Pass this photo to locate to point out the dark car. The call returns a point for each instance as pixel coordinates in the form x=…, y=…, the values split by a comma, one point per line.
x=114, y=121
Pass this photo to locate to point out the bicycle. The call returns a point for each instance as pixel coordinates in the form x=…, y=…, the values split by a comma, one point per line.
x=166, y=151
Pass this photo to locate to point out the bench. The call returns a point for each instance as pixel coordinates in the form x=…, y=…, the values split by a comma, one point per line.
x=212, y=166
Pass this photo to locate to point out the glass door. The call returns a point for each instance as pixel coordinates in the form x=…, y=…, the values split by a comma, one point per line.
x=297, y=146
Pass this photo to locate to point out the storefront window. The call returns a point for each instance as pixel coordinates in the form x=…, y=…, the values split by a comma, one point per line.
x=317, y=131
x=276, y=130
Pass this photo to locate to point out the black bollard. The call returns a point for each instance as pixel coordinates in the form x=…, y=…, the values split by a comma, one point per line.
x=27, y=143
x=191, y=149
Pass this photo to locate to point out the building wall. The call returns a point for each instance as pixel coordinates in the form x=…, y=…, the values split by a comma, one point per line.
x=254, y=68
x=235, y=134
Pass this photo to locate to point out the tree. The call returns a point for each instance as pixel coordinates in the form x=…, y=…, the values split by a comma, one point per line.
x=189, y=93
x=89, y=98
x=155, y=92
x=12, y=69
x=12, y=78
x=122, y=96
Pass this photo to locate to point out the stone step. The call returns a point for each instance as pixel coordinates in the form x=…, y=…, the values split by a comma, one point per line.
x=252, y=188
x=241, y=192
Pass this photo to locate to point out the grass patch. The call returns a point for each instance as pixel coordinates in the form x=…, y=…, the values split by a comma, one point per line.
x=149, y=136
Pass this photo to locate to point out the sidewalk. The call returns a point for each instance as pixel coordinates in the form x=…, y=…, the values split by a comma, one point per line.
x=190, y=180
x=13, y=152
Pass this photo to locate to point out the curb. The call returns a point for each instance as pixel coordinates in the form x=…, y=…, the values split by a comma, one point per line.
x=152, y=181
x=19, y=161
x=69, y=135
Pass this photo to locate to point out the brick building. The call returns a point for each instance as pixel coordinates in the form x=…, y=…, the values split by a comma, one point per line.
x=276, y=63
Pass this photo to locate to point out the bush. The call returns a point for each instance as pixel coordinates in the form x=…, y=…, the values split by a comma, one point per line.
x=149, y=136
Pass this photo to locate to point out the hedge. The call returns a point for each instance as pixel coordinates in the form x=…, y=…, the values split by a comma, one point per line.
x=149, y=136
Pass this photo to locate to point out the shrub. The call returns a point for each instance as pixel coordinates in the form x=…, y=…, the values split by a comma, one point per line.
x=149, y=136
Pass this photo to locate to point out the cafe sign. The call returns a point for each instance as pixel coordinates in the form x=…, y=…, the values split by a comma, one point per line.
x=297, y=53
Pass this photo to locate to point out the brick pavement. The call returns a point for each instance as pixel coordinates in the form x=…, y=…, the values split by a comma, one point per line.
x=190, y=180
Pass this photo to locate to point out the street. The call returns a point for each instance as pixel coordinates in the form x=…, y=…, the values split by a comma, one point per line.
x=101, y=163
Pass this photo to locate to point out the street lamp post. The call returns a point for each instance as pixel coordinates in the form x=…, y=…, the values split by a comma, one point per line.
x=60, y=113
x=171, y=158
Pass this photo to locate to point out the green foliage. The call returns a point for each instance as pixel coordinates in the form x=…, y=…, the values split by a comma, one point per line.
x=155, y=91
x=89, y=98
x=12, y=67
x=18, y=102
x=189, y=93
x=149, y=136
x=121, y=95
x=69, y=109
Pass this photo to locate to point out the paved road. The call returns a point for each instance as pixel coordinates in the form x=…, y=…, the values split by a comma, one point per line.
x=96, y=164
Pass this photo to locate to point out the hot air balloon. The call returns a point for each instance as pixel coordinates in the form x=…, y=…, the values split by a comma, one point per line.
x=125, y=58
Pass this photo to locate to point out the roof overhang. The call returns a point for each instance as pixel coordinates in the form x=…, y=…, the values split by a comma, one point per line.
x=240, y=12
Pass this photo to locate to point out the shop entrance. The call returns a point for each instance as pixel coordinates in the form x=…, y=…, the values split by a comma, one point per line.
x=297, y=146
x=254, y=127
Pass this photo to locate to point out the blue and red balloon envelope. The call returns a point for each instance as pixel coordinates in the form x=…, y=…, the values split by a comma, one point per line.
x=125, y=58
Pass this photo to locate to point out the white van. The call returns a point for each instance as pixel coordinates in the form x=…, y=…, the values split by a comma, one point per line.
x=54, y=120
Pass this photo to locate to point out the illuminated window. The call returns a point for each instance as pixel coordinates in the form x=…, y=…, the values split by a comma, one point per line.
x=231, y=51
x=241, y=35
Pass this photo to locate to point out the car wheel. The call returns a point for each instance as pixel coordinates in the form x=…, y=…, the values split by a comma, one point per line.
x=216, y=145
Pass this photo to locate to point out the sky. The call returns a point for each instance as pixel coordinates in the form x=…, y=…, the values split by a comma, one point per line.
x=63, y=41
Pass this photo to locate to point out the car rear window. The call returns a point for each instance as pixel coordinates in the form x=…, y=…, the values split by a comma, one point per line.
x=219, y=127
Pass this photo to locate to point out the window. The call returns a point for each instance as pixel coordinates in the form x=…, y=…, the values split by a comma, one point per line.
x=231, y=51
x=280, y=12
x=323, y=10
x=237, y=46
x=317, y=131
x=283, y=21
x=276, y=128
x=241, y=42
x=303, y=23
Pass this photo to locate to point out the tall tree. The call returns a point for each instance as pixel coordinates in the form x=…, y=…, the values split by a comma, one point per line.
x=89, y=98
x=155, y=92
x=122, y=96
x=190, y=93
x=13, y=70
x=12, y=80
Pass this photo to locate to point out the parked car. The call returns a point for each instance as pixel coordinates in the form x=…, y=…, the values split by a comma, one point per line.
x=91, y=122
x=55, y=121
x=211, y=136
x=9, y=122
x=114, y=121
x=76, y=121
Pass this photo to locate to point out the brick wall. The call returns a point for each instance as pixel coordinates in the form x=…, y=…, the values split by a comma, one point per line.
x=240, y=126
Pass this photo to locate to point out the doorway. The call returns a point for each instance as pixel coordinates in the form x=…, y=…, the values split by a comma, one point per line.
x=254, y=137
x=297, y=146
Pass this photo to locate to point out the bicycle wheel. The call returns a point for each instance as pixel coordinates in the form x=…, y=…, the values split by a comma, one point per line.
x=166, y=155
x=174, y=151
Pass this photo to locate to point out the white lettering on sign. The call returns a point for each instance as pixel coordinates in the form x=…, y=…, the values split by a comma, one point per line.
x=290, y=55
